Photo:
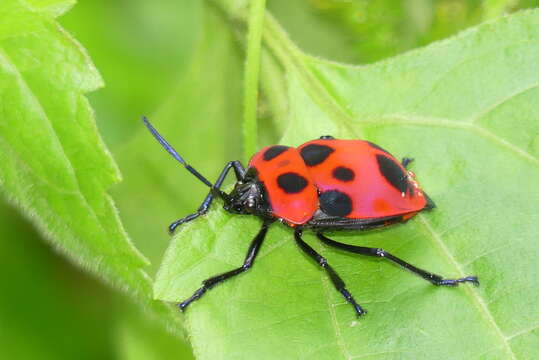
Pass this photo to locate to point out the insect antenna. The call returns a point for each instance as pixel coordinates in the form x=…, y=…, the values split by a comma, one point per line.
x=174, y=153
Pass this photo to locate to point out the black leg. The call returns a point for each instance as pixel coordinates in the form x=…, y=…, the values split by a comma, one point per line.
x=335, y=278
x=430, y=204
x=239, y=171
x=432, y=278
x=406, y=161
x=249, y=259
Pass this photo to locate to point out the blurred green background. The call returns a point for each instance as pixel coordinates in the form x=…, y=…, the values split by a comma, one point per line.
x=167, y=59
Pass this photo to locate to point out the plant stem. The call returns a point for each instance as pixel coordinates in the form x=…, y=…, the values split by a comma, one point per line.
x=252, y=67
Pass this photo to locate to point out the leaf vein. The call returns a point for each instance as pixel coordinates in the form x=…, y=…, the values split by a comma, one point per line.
x=338, y=335
x=480, y=303
x=441, y=122
x=523, y=332
x=453, y=67
x=477, y=117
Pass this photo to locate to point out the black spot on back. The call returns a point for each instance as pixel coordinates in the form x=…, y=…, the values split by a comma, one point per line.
x=343, y=173
x=393, y=173
x=377, y=147
x=315, y=154
x=274, y=151
x=291, y=183
x=335, y=203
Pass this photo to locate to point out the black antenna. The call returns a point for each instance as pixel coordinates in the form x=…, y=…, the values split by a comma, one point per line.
x=174, y=153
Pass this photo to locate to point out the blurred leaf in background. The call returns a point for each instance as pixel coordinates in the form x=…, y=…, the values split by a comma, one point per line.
x=364, y=31
x=50, y=309
x=141, y=48
x=200, y=117
x=56, y=169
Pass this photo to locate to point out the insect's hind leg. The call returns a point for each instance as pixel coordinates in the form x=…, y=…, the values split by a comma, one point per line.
x=239, y=171
x=430, y=277
x=335, y=278
x=248, y=262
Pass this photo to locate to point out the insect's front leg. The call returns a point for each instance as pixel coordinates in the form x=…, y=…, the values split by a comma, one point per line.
x=239, y=171
x=217, y=279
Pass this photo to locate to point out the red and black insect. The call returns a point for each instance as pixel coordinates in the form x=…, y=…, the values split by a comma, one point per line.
x=323, y=185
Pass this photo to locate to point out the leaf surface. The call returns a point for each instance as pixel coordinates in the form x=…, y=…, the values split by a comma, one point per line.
x=53, y=163
x=466, y=110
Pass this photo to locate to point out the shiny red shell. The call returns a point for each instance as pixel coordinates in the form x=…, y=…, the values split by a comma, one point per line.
x=352, y=179
x=296, y=208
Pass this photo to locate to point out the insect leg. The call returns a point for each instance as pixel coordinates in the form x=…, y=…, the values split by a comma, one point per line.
x=335, y=278
x=248, y=262
x=239, y=171
x=406, y=161
x=432, y=278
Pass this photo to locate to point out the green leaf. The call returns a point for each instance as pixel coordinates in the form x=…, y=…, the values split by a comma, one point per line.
x=41, y=302
x=135, y=337
x=466, y=110
x=53, y=163
x=123, y=44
